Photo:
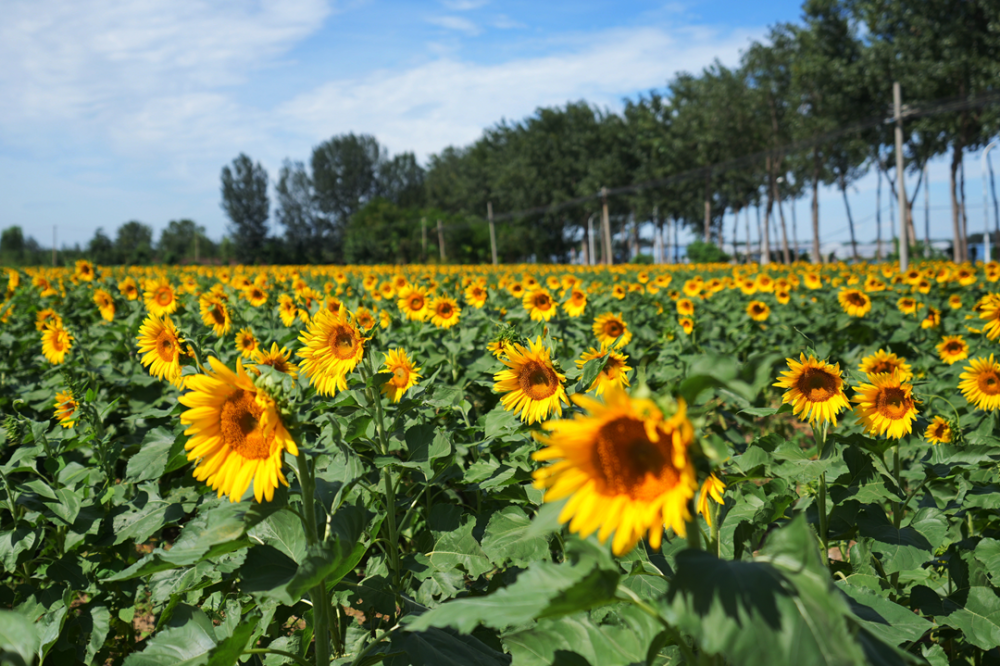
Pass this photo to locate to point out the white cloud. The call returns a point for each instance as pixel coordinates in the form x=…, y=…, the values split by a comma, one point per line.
x=464, y=5
x=455, y=23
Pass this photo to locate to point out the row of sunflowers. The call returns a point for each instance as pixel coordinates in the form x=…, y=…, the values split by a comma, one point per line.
x=514, y=464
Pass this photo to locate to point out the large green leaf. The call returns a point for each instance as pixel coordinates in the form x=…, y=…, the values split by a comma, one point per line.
x=187, y=641
x=18, y=639
x=891, y=622
x=507, y=539
x=902, y=549
x=977, y=615
x=440, y=647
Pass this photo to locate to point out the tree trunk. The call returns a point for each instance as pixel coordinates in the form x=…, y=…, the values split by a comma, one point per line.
x=765, y=252
x=850, y=219
x=958, y=252
x=784, y=229
x=878, y=212
x=586, y=244
x=795, y=234
x=760, y=237
x=708, y=206
x=996, y=206
x=965, y=218
x=816, y=257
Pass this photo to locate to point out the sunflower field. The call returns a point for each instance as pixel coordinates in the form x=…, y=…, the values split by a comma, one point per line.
x=531, y=465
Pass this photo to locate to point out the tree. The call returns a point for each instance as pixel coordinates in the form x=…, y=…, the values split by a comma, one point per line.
x=401, y=181
x=134, y=244
x=12, y=245
x=183, y=240
x=307, y=232
x=245, y=200
x=101, y=249
x=345, y=177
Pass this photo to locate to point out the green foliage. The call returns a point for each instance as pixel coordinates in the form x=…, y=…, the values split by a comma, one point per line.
x=700, y=252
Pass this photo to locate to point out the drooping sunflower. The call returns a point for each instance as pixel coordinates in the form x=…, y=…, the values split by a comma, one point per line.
x=444, y=312
x=159, y=341
x=404, y=374
x=160, y=298
x=498, y=348
x=609, y=327
x=66, y=406
x=413, y=303
x=981, y=383
x=814, y=389
x=882, y=362
x=105, y=304
x=614, y=372
x=939, y=431
x=278, y=358
x=56, y=343
x=45, y=318
x=952, y=348
x=531, y=385
x=855, y=302
x=758, y=310
x=215, y=314
x=576, y=304
x=711, y=488
x=332, y=347
x=625, y=467
x=539, y=304
x=235, y=433
x=886, y=405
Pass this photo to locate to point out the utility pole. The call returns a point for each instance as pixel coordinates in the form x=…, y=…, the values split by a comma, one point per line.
x=423, y=237
x=986, y=206
x=53, y=245
x=904, y=236
x=606, y=224
x=493, y=231
x=658, y=237
x=927, y=211
x=441, y=241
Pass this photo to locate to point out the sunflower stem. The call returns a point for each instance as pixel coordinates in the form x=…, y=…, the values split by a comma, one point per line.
x=693, y=533
x=320, y=600
x=819, y=434
x=897, y=507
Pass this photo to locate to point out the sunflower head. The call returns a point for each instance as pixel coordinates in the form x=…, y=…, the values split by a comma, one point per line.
x=332, y=346
x=939, y=431
x=444, y=312
x=614, y=373
x=814, y=389
x=952, y=348
x=531, y=385
x=278, y=358
x=56, y=343
x=758, y=311
x=856, y=303
x=404, y=374
x=576, y=304
x=980, y=383
x=66, y=406
x=609, y=327
x=882, y=362
x=160, y=346
x=886, y=406
x=413, y=303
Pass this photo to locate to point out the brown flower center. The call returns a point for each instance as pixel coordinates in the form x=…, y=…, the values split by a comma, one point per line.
x=164, y=296
x=240, y=421
x=817, y=384
x=542, y=302
x=537, y=380
x=953, y=347
x=342, y=342
x=856, y=299
x=613, y=329
x=416, y=303
x=166, y=346
x=893, y=403
x=218, y=315
x=989, y=382
x=630, y=464
x=444, y=310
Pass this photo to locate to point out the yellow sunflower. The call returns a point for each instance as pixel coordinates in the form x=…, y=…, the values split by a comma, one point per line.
x=287, y=310
x=531, y=385
x=404, y=374
x=685, y=307
x=608, y=327
x=444, y=312
x=56, y=343
x=413, y=303
x=159, y=341
x=711, y=488
x=687, y=324
x=576, y=304
x=498, y=348
x=475, y=295
x=235, y=433
x=45, y=318
x=886, y=405
x=365, y=318
x=539, y=304
x=66, y=406
x=215, y=314
x=278, y=358
x=882, y=362
x=614, y=373
x=952, y=348
x=955, y=302
x=990, y=312
x=160, y=298
x=105, y=304
x=246, y=343
x=981, y=383
x=256, y=295
x=907, y=305
x=854, y=302
x=939, y=431
x=332, y=347
x=758, y=311
x=814, y=389
x=932, y=320
x=625, y=467
x=84, y=271
x=783, y=296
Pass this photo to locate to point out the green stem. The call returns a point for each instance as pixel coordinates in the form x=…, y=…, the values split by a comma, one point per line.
x=693, y=533
x=371, y=646
x=819, y=434
x=713, y=511
x=897, y=507
x=321, y=602
x=287, y=655
x=633, y=599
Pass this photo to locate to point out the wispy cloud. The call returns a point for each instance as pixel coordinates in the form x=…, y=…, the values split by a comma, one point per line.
x=455, y=23
x=464, y=5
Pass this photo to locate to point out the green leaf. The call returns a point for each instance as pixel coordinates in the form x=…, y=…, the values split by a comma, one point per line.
x=978, y=618
x=901, y=549
x=591, y=369
x=506, y=539
x=187, y=641
x=988, y=552
x=282, y=530
x=100, y=625
x=891, y=622
x=441, y=648
x=154, y=453
x=458, y=548
x=603, y=645
x=149, y=513
x=229, y=650
x=19, y=640
x=500, y=423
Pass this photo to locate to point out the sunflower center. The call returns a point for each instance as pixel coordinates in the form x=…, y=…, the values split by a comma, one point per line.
x=630, y=464
x=817, y=385
x=416, y=303
x=166, y=347
x=444, y=310
x=164, y=297
x=537, y=380
x=611, y=368
x=989, y=382
x=218, y=315
x=613, y=329
x=542, y=302
x=757, y=309
x=880, y=367
x=58, y=343
x=893, y=403
x=240, y=421
x=400, y=376
x=854, y=298
x=953, y=347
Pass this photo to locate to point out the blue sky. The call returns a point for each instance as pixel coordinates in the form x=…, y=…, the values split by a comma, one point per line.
x=128, y=109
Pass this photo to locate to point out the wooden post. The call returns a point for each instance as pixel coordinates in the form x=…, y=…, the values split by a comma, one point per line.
x=904, y=236
x=441, y=240
x=493, y=231
x=606, y=225
x=423, y=236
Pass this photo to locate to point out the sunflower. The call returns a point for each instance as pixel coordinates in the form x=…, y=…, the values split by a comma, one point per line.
x=531, y=385
x=625, y=467
x=215, y=314
x=981, y=383
x=332, y=347
x=952, y=348
x=413, y=303
x=990, y=312
x=614, y=372
x=955, y=302
x=711, y=488
x=932, y=320
x=84, y=271
x=256, y=295
x=287, y=310
x=365, y=318
x=687, y=324
x=277, y=358
x=685, y=307
x=939, y=431
x=882, y=362
x=105, y=304
x=813, y=280
x=814, y=389
x=854, y=302
x=609, y=327
x=235, y=433
x=576, y=304
x=498, y=348
x=404, y=374
x=539, y=304
x=907, y=305
x=45, y=318
x=159, y=341
x=444, y=312
x=618, y=291
x=66, y=406
x=758, y=311
x=56, y=343
x=886, y=405
x=475, y=296
x=160, y=298
x=783, y=296
x=246, y=343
